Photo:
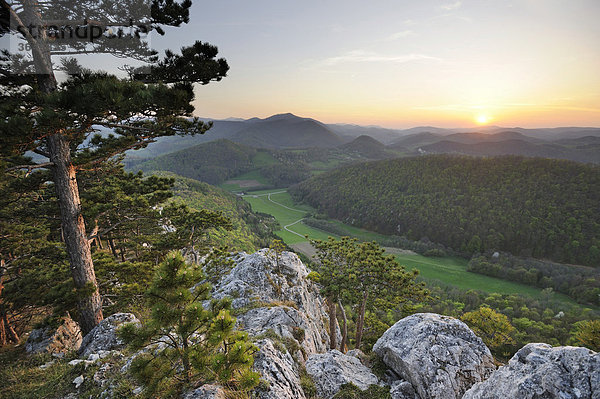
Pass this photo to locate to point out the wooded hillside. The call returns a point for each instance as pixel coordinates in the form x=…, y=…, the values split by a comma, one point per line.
x=527, y=206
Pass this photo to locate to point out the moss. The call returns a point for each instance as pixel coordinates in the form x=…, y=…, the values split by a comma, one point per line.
x=351, y=391
x=378, y=367
x=307, y=384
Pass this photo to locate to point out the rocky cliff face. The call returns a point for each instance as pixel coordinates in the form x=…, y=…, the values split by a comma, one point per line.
x=429, y=356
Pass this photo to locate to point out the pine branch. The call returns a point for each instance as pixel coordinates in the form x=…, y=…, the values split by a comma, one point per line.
x=29, y=168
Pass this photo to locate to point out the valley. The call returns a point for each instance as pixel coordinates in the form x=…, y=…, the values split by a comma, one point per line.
x=447, y=270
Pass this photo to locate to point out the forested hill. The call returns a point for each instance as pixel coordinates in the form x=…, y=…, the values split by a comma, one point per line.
x=527, y=206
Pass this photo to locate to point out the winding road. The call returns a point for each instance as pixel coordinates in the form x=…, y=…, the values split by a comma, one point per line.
x=286, y=207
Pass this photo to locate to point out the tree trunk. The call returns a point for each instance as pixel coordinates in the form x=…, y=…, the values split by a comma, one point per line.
x=7, y=332
x=361, y=320
x=73, y=226
x=344, y=343
x=332, y=324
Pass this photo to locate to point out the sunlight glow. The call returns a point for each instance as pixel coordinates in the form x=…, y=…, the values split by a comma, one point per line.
x=482, y=119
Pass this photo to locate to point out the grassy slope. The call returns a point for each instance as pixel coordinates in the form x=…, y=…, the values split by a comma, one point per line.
x=447, y=269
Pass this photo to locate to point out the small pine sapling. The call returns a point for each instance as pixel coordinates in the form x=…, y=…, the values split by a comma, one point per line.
x=184, y=343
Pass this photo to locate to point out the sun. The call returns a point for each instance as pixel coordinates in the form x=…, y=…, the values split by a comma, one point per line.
x=482, y=119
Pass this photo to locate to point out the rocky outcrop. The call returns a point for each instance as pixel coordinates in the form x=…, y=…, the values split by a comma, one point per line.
x=104, y=337
x=207, y=391
x=331, y=370
x=67, y=337
x=280, y=298
x=439, y=355
x=541, y=371
x=280, y=372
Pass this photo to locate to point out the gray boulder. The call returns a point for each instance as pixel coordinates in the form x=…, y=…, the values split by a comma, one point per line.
x=439, y=355
x=279, y=371
x=209, y=391
x=103, y=337
x=66, y=338
x=541, y=371
x=280, y=298
x=331, y=370
x=403, y=390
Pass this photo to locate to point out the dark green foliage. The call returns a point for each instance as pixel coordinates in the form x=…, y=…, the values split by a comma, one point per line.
x=579, y=282
x=361, y=274
x=212, y=162
x=526, y=206
x=250, y=231
x=199, y=344
x=351, y=391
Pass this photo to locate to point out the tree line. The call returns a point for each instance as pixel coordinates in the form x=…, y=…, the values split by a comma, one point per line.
x=534, y=207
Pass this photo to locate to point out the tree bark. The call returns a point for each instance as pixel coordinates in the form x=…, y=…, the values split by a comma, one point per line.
x=73, y=226
x=344, y=343
x=361, y=320
x=7, y=332
x=332, y=323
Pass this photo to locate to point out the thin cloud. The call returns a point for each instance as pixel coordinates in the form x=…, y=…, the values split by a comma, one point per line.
x=400, y=35
x=363, y=56
x=452, y=6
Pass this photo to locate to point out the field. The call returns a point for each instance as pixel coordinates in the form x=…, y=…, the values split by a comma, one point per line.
x=449, y=270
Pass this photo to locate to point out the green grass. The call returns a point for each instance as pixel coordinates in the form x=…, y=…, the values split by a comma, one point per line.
x=260, y=203
x=450, y=270
x=453, y=271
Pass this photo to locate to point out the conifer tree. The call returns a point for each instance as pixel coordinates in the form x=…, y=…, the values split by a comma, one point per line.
x=56, y=121
x=364, y=275
x=198, y=345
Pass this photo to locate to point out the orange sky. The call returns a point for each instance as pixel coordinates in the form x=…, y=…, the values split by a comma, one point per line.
x=403, y=63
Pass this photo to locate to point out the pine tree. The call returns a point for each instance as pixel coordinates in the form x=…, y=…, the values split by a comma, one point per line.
x=195, y=344
x=55, y=120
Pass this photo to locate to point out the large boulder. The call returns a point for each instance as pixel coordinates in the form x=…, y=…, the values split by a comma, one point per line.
x=331, y=370
x=279, y=372
x=541, y=371
x=104, y=337
x=439, y=355
x=67, y=337
x=278, y=297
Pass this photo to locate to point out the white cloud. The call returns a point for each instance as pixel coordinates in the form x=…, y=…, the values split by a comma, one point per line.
x=400, y=35
x=363, y=56
x=452, y=6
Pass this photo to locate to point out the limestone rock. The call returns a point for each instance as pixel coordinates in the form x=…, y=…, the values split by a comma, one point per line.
x=66, y=338
x=541, y=371
x=283, y=299
x=439, y=355
x=279, y=371
x=209, y=391
x=103, y=337
x=331, y=370
x=403, y=390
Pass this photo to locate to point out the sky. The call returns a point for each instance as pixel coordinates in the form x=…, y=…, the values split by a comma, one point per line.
x=403, y=63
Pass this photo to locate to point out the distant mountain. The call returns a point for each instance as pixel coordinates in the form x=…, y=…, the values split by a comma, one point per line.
x=287, y=131
x=473, y=138
x=290, y=131
x=416, y=140
x=366, y=146
x=514, y=147
x=385, y=136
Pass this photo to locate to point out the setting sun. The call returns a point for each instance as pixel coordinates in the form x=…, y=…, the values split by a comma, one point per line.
x=482, y=119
